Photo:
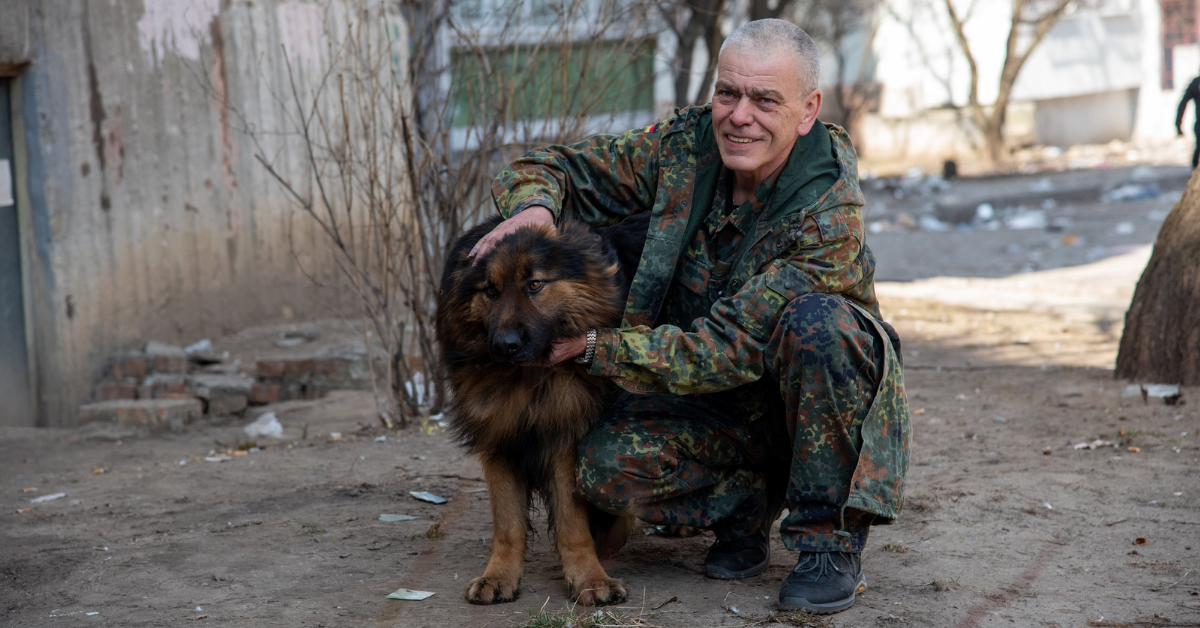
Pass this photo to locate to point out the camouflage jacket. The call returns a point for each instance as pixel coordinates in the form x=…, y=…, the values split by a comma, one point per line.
x=671, y=169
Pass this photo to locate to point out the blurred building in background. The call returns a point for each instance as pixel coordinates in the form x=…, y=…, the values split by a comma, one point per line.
x=1107, y=70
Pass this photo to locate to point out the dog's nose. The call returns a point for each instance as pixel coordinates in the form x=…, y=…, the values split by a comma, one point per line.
x=507, y=343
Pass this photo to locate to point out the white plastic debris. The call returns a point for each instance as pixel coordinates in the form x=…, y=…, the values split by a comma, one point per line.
x=265, y=425
x=984, y=212
x=427, y=497
x=928, y=222
x=1029, y=219
x=380, y=439
x=1094, y=444
x=409, y=594
x=204, y=347
x=47, y=498
x=1124, y=228
x=396, y=518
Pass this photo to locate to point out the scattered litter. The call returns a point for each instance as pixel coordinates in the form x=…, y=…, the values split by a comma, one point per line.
x=1048, y=506
x=396, y=518
x=1132, y=192
x=984, y=212
x=1029, y=219
x=418, y=457
x=1177, y=494
x=1096, y=443
x=1049, y=203
x=97, y=471
x=1135, y=449
x=734, y=610
x=426, y=496
x=1141, y=540
x=1001, y=419
x=266, y=425
x=335, y=436
x=1124, y=228
x=380, y=439
x=1073, y=240
x=218, y=458
x=90, y=613
x=204, y=347
x=1043, y=184
x=409, y=594
x=919, y=411
x=21, y=511
x=47, y=498
x=182, y=463
x=928, y=222
x=1047, y=451
x=1162, y=390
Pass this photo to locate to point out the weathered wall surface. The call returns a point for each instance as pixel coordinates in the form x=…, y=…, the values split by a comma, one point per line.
x=150, y=217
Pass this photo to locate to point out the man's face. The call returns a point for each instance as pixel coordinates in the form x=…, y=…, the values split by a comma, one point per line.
x=759, y=110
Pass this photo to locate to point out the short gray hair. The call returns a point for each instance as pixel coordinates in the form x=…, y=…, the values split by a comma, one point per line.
x=771, y=35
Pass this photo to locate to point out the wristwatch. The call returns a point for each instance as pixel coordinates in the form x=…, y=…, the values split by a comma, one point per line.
x=590, y=353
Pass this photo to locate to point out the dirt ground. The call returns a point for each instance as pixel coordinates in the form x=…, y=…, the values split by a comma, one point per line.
x=1006, y=521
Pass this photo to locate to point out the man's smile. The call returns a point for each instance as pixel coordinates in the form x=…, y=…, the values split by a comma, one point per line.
x=736, y=139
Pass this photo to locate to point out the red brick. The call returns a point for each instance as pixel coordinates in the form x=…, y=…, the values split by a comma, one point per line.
x=332, y=368
x=145, y=392
x=109, y=392
x=164, y=390
x=263, y=393
x=155, y=413
x=129, y=367
x=270, y=368
x=170, y=364
x=297, y=368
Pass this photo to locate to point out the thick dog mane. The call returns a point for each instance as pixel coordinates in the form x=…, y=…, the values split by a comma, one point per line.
x=522, y=414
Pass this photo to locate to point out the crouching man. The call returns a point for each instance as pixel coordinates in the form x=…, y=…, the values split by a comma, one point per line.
x=758, y=372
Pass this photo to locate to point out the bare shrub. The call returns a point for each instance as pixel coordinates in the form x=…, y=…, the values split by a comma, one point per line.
x=391, y=144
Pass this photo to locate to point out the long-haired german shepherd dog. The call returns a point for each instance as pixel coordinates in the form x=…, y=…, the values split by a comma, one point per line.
x=498, y=314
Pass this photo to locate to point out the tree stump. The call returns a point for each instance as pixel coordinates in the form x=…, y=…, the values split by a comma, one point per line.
x=1161, y=341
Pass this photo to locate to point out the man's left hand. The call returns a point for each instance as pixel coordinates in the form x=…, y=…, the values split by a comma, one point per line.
x=561, y=350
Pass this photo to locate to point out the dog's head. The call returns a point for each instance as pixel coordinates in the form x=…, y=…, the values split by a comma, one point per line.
x=532, y=287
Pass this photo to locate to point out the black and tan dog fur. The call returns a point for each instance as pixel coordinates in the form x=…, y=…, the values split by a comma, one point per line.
x=524, y=422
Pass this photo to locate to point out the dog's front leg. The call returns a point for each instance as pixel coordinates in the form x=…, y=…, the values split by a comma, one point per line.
x=588, y=582
x=501, y=580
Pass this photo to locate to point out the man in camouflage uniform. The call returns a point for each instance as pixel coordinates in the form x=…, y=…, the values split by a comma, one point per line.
x=758, y=371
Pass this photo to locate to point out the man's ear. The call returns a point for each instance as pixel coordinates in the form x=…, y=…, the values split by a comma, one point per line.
x=812, y=106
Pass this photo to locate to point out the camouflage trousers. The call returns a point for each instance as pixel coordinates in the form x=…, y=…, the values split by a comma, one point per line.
x=723, y=461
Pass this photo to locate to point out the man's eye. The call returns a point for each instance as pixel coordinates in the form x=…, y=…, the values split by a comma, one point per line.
x=535, y=285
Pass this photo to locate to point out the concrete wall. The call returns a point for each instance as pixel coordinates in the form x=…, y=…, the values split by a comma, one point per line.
x=1089, y=119
x=147, y=213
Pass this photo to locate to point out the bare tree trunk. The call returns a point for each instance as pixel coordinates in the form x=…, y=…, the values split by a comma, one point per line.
x=991, y=121
x=761, y=10
x=712, y=37
x=1161, y=341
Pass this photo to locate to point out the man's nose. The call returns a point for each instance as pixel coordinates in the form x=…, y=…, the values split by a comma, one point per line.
x=741, y=115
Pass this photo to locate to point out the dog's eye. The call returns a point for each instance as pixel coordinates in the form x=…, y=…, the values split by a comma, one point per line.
x=491, y=292
x=535, y=285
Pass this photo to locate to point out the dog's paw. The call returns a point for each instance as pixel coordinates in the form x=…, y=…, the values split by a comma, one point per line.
x=492, y=590
x=599, y=592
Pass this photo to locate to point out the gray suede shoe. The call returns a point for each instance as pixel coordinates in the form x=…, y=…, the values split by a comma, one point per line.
x=823, y=583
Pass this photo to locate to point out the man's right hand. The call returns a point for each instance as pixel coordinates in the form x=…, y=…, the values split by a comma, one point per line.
x=532, y=215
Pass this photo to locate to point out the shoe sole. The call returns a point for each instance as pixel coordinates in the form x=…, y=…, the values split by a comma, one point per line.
x=828, y=608
x=720, y=573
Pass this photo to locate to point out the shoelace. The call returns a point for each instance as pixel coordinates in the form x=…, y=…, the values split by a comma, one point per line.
x=818, y=561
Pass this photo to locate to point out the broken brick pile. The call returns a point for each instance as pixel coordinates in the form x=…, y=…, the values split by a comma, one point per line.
x=163, y=386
